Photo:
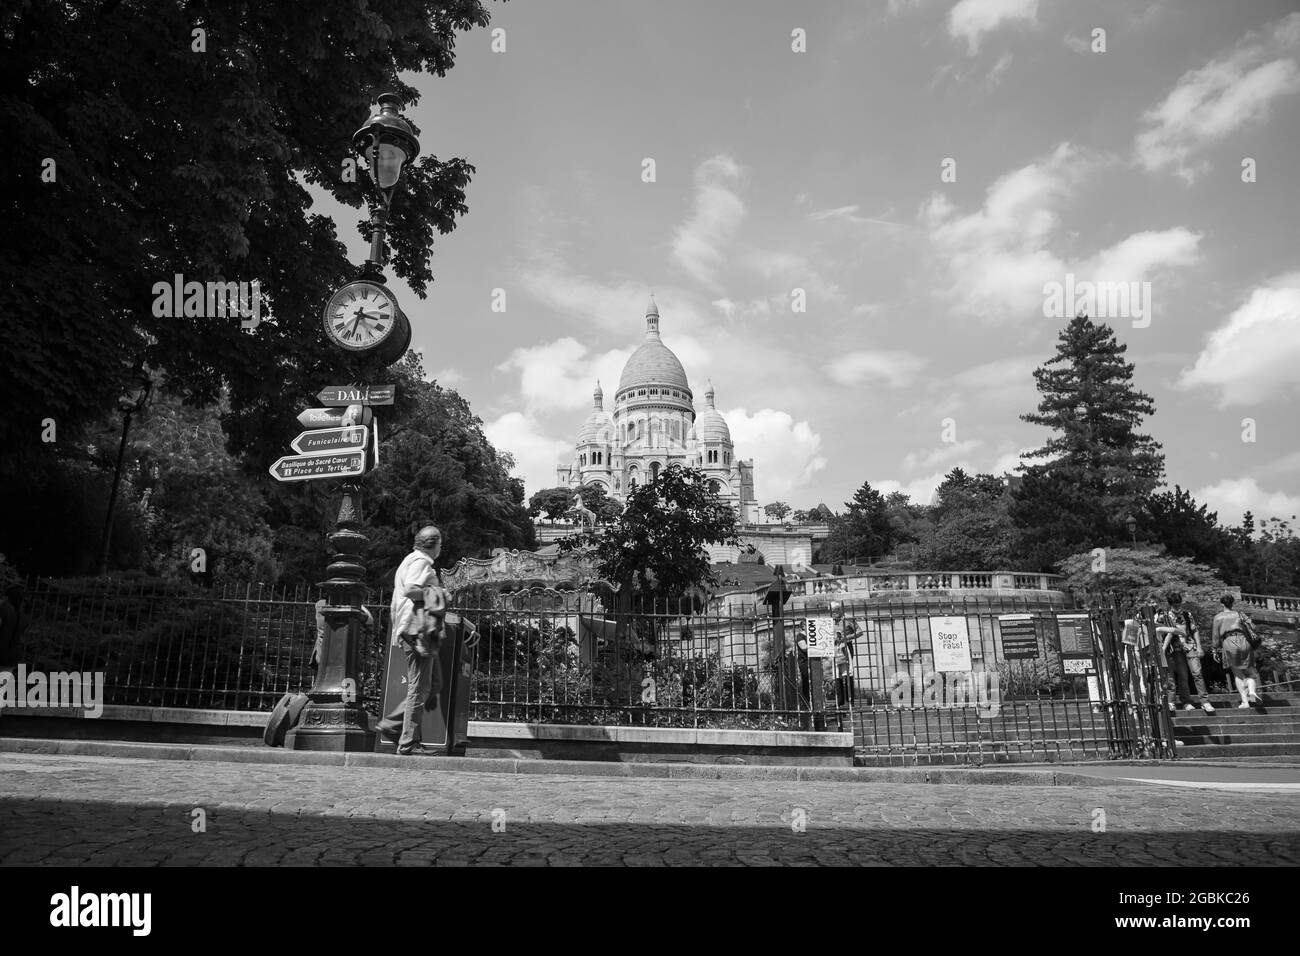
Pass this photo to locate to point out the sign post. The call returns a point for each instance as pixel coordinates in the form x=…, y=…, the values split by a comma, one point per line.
x=344, y=438
x=327, y=465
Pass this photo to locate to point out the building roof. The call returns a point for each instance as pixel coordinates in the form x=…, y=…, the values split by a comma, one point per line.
x=653, y=363
x=710, y=426
x=598, y=427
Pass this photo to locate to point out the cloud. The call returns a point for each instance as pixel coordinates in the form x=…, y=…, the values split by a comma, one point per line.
x=920, y=490
x=699, y=243
x=1134, y=259
x=1210, y=103
x=895, y=369
x=850, y=215
x=999, y=257
x=972, y=19
x=1233, y=497
x=1078, y=44
x=1254, y=355
x=561, y=375
x=447, y=377
x=786, y=453
x=934, y=457
x=536, y=456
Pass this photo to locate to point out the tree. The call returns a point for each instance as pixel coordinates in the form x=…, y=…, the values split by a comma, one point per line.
x=551, y=503
x=1098, y=465
x=777, y=510
x=863, y=531
x=180, y=153
x=1185, y=528
x=656, y=549
x=1140, y=577
x=971, y=526
x=596, y=500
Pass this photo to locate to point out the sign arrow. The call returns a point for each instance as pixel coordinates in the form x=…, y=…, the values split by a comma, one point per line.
x=335, y=395
x=327, y=465
x=349, y=438
x=334, y=417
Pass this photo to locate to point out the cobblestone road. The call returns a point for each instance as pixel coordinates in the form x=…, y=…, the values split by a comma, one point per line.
x=101, y=811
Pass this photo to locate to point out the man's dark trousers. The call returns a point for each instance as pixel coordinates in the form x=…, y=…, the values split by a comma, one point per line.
x=423, y=678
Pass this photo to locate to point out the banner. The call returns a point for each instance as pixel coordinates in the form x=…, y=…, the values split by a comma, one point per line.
x=951, y=643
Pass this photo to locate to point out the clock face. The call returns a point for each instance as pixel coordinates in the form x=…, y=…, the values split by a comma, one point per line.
x=360, y=316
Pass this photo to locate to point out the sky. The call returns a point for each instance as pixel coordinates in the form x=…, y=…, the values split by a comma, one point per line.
x=924, y=171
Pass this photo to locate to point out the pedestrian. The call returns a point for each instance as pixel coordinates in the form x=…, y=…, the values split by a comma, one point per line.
x=1234, y=639
x=1182, y=647
x=418, y=610
x=10, y=626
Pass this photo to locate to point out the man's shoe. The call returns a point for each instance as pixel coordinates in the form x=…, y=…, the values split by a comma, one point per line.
x=1188, y=707
x=419, y=750
x=1207, y=707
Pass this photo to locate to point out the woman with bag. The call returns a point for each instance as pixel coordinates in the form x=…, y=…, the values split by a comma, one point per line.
x=1235, y=640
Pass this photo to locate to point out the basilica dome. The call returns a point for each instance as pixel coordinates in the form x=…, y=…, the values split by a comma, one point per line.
x=653, y=363
x=598, y=427
x=710, y=426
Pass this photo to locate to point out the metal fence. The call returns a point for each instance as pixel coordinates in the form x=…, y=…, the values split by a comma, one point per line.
x=567, y=659
x=578, y=663
x=159, y=644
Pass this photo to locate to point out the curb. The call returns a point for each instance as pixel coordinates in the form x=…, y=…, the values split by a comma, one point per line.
x=584, y=768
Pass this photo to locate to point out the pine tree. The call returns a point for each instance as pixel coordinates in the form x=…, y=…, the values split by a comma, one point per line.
x=1098, y=465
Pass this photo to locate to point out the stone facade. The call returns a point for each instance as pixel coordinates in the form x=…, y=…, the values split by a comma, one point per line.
x=654, y=424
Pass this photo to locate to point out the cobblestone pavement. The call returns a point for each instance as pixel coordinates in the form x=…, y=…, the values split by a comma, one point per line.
x=102, y=811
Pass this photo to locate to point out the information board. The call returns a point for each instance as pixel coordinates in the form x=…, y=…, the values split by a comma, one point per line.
x=1074, y=632
x=1019, y=637
x=820, y=630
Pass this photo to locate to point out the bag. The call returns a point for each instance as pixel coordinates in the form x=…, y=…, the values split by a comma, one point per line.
x=1247, y=628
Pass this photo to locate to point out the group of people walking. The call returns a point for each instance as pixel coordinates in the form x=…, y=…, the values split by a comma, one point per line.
x=1233, y=642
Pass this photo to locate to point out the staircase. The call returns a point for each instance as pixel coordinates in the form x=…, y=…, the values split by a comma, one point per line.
x=1268, y=730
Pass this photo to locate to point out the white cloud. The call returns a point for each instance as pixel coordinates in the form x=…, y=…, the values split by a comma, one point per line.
x=1228, y=93
x=999, y=257
x=1233, y=497
x=1078, y=44
x=920, y=490
x=1135, y=259
x=786, y=453
x=536, y=456
x=1254, y=355
x=699, y=243
x=850, y=215
x=895, y=369
x=972, y=19
x=447, y=377
x=934, y=457
x=561, y=375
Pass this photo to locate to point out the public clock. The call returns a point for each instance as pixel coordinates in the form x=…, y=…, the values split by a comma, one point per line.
x=364, y=316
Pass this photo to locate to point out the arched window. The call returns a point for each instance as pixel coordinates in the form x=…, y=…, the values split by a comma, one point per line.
x=582, y=460
x=654, y=469
x=715, y=486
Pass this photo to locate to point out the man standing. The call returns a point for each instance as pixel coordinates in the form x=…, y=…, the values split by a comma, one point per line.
x=417, y=611
x=1181, y=642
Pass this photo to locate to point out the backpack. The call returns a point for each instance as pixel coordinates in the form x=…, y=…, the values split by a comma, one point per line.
x=1248, y=628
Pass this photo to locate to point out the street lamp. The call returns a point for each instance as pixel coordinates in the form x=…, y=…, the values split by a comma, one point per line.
x=388, y=142
x=131, y=402
x=1131, y=523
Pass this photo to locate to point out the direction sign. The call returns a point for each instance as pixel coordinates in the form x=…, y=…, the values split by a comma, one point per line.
x=329, y=465
x=356, y=395
x=333, y=417
x=351, y=438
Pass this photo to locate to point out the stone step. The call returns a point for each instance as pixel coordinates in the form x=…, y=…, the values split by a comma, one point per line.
x=1291, y=732
x=1199, y=751
x=1239, y=737
x=1289, y=699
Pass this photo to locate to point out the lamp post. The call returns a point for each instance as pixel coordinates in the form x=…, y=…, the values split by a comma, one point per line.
x=333, y=718
x=1131, y=523
x=387, y=142
x=131, y=403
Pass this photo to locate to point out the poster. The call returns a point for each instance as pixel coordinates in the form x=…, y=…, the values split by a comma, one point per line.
x=1019, y=638
x=1075, y=634
x=1077, y=665
x=820, y=630
x=951, y=643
